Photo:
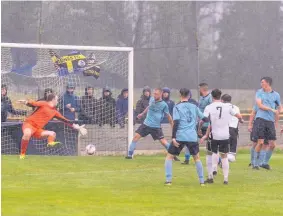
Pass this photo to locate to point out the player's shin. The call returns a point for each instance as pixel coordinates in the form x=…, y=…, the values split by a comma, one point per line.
x=168, y=168
x=215, y=160
x=225, y=168
x=262, y=155
x=252, y=151
x=209, y=166
x=187, y=154
x=269, y=154
x=199, y=169
x=24, y=146
x=132, y=148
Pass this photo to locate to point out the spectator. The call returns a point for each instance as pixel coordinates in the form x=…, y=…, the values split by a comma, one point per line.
x=143, y=103
x=122, y=107
x=192, y=100
x=166, y=97
x=107, y=108
x=69, y=103
x=89, y=107
x=6, y=105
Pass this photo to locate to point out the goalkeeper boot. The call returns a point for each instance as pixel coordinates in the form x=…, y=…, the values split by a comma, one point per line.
x=22, y=156
x=50, y=144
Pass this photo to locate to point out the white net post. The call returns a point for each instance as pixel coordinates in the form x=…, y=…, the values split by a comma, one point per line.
x=117, y=61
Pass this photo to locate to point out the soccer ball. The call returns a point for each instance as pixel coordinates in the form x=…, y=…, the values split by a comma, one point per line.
x=90, y=149
x=231, y=158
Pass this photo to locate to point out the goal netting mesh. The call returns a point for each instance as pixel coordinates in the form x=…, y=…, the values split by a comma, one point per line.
x=27, y=72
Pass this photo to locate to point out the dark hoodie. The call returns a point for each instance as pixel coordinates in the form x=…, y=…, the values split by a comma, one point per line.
x=170, y=104
x=142, y=104
x=122, y=107
x=89, y=108
x=69, y=98
x=107, y=109
x=7, y=107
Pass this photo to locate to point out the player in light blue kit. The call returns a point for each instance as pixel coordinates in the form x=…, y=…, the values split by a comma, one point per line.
x=152, y=124
x=268, y=102
x=185, y=116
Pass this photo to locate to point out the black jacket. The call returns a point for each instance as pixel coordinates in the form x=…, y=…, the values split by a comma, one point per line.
x=142, y=104
x=7, y=107
x=89, y=109
x=107, y=109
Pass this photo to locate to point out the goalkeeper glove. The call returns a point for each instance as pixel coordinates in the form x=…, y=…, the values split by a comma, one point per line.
x=81, y=129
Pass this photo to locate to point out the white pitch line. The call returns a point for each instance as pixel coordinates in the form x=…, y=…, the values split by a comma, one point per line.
x=85, y=172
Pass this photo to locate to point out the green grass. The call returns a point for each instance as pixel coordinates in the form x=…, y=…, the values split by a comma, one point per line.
x=89, y=186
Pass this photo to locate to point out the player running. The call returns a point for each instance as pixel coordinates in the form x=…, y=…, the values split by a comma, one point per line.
x=152, y=124
x=33, y=125
x=267, y=101
x=220, y=115
x=184, y=133
x=233, y=129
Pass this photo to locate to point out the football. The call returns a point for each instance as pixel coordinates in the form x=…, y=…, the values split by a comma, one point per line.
x=90, y=149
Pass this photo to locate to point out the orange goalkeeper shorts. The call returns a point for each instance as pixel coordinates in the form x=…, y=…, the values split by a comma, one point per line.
x=35, y=131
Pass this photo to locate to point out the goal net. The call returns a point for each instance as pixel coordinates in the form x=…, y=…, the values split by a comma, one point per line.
x=97, y=77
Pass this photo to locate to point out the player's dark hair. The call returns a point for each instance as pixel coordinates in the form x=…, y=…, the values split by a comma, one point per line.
x=216, y=94
x=267, y=79
x=184, y=92
x=226, y=98
x=50, y=97
x=203, y=85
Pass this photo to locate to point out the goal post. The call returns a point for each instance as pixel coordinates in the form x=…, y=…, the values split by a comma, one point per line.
x=117, y=61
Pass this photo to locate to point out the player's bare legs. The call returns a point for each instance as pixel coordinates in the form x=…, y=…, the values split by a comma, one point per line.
x=166, y=145
x=257, y=152
x=132, y=147
x=25, y=140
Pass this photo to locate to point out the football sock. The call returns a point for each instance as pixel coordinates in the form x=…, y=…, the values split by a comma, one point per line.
x=209, y=166
x=167, y=145
x=199, y=169
x=252, y=151
x=225, y=168
x=215, y=159
x=261, y=156
x=256, y=158
x=132, y=148
x=168, y=170
x=187, y=154
x=268, y=156
x=51, y=139
x=24, y=146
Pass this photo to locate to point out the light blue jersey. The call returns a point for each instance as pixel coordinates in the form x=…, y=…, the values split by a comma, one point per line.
x=204, y=101
x=187, y=114
x=269, y=99
x=155, y=113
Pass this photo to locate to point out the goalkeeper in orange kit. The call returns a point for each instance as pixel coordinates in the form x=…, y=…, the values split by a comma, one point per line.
x=33, y=125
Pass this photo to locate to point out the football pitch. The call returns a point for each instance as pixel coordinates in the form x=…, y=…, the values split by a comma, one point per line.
x=88, y=186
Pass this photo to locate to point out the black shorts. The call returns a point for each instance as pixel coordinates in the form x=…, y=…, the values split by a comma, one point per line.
x=265, y=129
x=253, y=134
x=219, y=145
x=156, y=133
x=233, y=139
x=192, y=146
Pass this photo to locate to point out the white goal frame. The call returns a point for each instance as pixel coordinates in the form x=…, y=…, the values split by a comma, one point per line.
x=129, y=50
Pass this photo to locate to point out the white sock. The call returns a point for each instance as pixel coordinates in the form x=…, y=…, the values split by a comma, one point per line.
x=225, y=168
x=209, y=166
x=215, y=158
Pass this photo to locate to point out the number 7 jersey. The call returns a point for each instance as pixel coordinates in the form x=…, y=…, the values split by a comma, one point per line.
x=219, y=114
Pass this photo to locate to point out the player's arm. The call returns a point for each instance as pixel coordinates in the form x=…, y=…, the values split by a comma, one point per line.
x=143, y=113
x=237, y=114
x=81, y=128
x=176, y=124
x=202, y=117
x=170, y=119
x=33, y=103
x=251, y=119
x=205, y=137
x=260, y=104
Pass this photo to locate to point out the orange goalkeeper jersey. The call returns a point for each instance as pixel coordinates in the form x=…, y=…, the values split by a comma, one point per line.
x=43, y=114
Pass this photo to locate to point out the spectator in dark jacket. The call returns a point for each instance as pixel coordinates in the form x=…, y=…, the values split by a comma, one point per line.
x=6, y=105
x=192, y=100
x=166, y=97
x=107, y=108
x=89, y=107
x=142, y=104
x=122, y=107
x=70, y=103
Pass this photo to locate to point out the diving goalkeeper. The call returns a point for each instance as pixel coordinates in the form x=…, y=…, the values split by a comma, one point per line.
x=33, y=125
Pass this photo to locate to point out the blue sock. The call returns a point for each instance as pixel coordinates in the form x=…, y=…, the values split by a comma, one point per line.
x=132, y=149
x=187, y=154
x=267, y=156
x=256, y=159
x=200, y=171
x=168, y=170
x=167, y=145
x=261, y=156
x=252, y=154
x=219, y=160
